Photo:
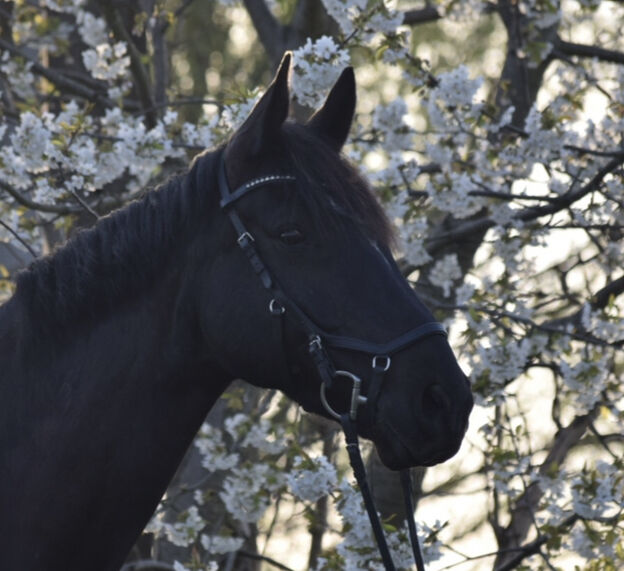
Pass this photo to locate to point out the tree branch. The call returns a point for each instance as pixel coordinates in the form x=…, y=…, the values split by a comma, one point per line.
x=525, y=551
x=269, y=30
x=141, y=77
x=463, y=230
x=601, y=297
x=571, y=197
x=421, y=16
x=520, y=80
x=564, y=48
x=161, y=60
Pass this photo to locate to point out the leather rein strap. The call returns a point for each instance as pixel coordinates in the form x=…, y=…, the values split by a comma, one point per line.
x=282, y=305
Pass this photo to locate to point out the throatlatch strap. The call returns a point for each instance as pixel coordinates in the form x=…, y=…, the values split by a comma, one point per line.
x=355, y=458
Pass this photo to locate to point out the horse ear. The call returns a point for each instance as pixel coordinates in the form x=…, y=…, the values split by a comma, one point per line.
x=263, y=125
x=333, y=121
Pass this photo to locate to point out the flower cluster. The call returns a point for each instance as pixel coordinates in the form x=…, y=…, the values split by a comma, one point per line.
x=445, y=272
x=311, y=478
x=359, y=17
x=248, y=491
x=107, y=62
x=317, y=65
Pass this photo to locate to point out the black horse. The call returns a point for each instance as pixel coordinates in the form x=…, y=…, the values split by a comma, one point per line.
x=113, y=349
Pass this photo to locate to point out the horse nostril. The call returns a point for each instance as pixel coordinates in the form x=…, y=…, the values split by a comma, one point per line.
x=435, y=398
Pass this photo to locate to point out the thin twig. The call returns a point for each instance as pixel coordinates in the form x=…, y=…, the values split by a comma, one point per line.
x=83, y=203
x=28, y=203
x=18, y=238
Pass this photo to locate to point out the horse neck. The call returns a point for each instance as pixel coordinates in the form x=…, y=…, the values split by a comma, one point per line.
x=96, y=420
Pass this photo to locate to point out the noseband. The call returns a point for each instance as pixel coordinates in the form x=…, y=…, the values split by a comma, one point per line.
x=381, y=354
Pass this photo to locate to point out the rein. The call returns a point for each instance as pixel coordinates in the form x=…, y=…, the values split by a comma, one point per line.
x=281, y=305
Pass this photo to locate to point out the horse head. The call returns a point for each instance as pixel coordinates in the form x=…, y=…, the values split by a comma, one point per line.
x=306, y=297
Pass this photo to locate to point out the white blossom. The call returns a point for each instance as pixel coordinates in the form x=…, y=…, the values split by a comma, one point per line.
x=445, y=272
x=311, y=478
x=18, y=75
x=599, y=492
x=358, y=548
x=454, y=89
x=389, y=121
x=601, y=325
x=31, y=145
x=344, y=12
x=107, y=62
x=182, y=532
x=68, y=6
x=214, y=452
x=217, y=544
x=453, y=194
x=93, y=30
x=464, y=293
x=246, y=492
x=586, y=380
x=413, y=234
x=255, y=433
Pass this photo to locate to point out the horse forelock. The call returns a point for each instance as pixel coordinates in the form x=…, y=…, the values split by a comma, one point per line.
x=342, y=187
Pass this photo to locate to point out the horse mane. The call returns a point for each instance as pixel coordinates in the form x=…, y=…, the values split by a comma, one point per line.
x=122, y=252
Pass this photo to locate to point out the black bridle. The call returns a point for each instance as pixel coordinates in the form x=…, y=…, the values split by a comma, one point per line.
x=381, y=354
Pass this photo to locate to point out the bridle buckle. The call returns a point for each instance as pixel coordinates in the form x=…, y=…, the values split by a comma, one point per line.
x=276, y=308
x=315, y=343
x=244, y=239
x=381, y=363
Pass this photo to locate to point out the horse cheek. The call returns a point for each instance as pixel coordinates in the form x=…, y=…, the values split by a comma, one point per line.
x=237, y=329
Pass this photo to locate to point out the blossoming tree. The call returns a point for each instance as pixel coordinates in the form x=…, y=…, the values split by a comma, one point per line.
x=492, y=132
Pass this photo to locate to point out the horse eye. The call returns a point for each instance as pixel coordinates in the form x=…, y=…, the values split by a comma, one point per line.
x=291, y=237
